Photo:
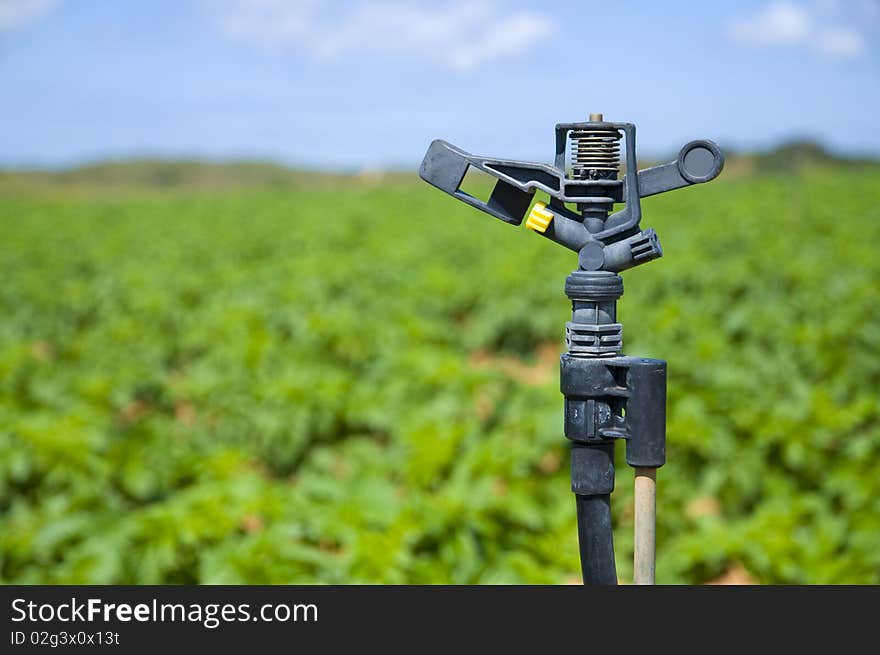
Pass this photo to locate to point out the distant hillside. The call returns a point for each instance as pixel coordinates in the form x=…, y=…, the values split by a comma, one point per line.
x=797, y=154
x=195, y=174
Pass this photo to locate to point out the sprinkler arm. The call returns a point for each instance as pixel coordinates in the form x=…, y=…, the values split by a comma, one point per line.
x=697, y=162
x=618, y=244
x=445, y=165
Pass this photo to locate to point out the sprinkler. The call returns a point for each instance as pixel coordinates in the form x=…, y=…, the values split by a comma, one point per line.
x=608, y=396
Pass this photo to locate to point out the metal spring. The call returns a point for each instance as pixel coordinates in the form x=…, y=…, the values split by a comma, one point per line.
x=595, y=153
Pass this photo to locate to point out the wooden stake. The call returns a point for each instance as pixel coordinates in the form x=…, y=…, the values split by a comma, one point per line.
x=645, y=524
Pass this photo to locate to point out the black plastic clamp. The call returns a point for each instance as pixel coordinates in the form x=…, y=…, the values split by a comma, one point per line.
x=613, y=398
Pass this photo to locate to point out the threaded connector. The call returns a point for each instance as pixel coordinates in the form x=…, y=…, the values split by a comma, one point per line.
x=587, y=339
x=593, y=330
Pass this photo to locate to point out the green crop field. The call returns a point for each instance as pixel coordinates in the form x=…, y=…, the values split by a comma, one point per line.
x=356, y=381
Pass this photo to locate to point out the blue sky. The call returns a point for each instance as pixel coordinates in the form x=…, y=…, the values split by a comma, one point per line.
x=368, y=83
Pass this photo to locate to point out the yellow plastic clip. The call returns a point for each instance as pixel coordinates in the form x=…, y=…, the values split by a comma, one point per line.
x=539, y=218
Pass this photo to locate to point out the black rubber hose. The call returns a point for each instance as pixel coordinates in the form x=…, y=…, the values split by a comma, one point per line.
x=596, y=539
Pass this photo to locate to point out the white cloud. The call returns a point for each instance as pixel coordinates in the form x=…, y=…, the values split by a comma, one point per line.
x=457, y=34
x=779, y=23
x=840, y=42
x=827, y=29
x=15, y=14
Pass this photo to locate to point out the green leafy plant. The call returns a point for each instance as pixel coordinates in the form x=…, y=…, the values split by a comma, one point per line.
x=358, y=383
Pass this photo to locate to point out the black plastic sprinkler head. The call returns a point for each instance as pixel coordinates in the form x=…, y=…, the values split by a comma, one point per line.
x=608, y=396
